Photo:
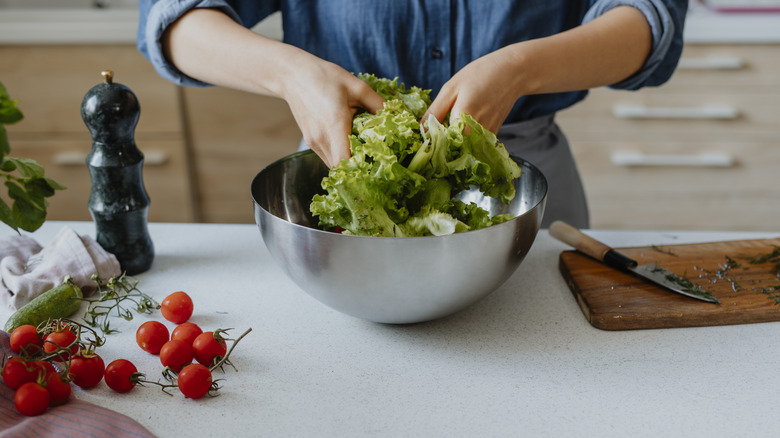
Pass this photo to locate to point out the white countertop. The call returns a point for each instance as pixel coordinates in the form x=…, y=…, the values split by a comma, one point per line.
x=522, y=362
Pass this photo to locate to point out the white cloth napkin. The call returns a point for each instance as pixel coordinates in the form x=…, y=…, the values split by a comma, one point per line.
x=28, y=270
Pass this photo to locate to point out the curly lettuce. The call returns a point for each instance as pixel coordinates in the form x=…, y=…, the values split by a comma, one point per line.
x=403, y=172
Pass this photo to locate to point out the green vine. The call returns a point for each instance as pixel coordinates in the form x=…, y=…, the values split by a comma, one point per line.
x=113, y=295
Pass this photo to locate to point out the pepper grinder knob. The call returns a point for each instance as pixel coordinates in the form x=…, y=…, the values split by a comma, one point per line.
x=118, y=200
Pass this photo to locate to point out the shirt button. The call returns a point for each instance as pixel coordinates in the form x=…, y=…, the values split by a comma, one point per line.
x=437, y=53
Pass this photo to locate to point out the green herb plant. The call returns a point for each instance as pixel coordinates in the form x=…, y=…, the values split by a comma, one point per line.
x=27, y=186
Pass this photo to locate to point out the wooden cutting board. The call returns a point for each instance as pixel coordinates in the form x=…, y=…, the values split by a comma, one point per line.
x=614, y=300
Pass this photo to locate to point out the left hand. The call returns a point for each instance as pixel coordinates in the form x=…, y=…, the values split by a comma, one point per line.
x=483, y=89
x=602, y=52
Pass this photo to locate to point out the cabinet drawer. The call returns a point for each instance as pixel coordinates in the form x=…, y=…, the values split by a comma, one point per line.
x=50, y=82
x=741, y=197
x=713, y=68
x=596, y=118
x=165, y=176
x=232, y=145
x=724, y=100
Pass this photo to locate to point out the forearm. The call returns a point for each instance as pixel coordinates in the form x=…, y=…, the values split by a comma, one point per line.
x=207, y=45
x=602, y=52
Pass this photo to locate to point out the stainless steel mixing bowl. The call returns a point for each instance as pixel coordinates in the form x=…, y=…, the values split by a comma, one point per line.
x=387, y=279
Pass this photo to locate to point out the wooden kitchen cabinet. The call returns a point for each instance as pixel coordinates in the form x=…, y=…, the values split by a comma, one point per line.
x=233, y=136
x=202, y=146
x=719, y=112
x=50, y=83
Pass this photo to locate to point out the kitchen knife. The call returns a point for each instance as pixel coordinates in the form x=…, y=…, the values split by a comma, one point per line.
x=651, y=272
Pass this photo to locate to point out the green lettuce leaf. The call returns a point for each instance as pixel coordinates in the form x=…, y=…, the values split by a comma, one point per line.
x=401, y=177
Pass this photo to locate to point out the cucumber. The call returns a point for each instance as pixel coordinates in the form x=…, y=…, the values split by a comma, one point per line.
x=59, y=302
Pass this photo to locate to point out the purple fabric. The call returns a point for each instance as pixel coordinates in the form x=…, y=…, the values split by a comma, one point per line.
x=74, y=419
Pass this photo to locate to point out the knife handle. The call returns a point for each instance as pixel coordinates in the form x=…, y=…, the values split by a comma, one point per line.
x=590, y=246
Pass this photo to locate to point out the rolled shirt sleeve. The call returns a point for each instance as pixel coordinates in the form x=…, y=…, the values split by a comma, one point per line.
x=156, y=16
x=666, y=19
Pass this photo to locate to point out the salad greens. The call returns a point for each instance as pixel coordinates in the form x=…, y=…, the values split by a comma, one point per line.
x=403, y=172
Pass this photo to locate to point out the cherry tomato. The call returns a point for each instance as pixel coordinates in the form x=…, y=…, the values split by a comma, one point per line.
x=177, y=307
x=31, y=399
x=187, y=332
x=194, y=380
x=151, y=336
x=18, y=371
x=122, y=375
x=207, y=348
x=86, y=371
x=48, y=368
x=26, y=337
x=175, y=354
x=61, y=338
x=59, y=389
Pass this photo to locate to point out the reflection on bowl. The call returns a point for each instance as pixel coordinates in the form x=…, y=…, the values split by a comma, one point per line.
x=391, y=280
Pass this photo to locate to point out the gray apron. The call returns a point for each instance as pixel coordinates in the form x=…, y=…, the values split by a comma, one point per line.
x=541, y=142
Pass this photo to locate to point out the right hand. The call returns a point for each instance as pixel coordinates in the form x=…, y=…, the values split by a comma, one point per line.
x=323, y=98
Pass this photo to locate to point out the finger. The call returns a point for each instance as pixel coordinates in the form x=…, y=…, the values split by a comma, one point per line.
x=339, y=150
x=455, y=113
x=371, y=101
x=338, y=142
x=440, y=106
x=363, y=96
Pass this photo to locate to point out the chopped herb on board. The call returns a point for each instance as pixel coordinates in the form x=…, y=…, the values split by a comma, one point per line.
x=773, y=292
x=721, y=273
x=772, y=257
x=663, y=250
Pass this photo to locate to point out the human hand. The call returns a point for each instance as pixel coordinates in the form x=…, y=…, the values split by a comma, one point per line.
x=486, y=89
x=323, y=98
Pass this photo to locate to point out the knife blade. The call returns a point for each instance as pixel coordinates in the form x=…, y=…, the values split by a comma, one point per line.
x=615, y=259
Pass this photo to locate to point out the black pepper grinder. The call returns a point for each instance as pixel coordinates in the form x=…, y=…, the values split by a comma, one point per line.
x=118, y=201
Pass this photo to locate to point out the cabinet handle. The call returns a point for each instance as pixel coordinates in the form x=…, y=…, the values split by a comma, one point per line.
x=712, y=63
x=70, y=158
x=76, y=158
x=704, y=159
x=711, y=112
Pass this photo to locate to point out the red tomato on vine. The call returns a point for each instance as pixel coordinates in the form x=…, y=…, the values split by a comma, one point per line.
x=177, y=307
x=18, y=371
x=31, y=399
x=59, y=389
x=86, y=370
x=151, y=336
x=175, y=354
x=61, y=338
x=121, y=375
x=194, y=381
x=208, y=348
x=26, y=338
x=187, y=332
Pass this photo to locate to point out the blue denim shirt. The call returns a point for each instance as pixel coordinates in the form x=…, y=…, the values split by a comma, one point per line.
x=425, y=42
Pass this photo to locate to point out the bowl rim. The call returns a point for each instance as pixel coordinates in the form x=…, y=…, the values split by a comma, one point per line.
x=519, y=160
